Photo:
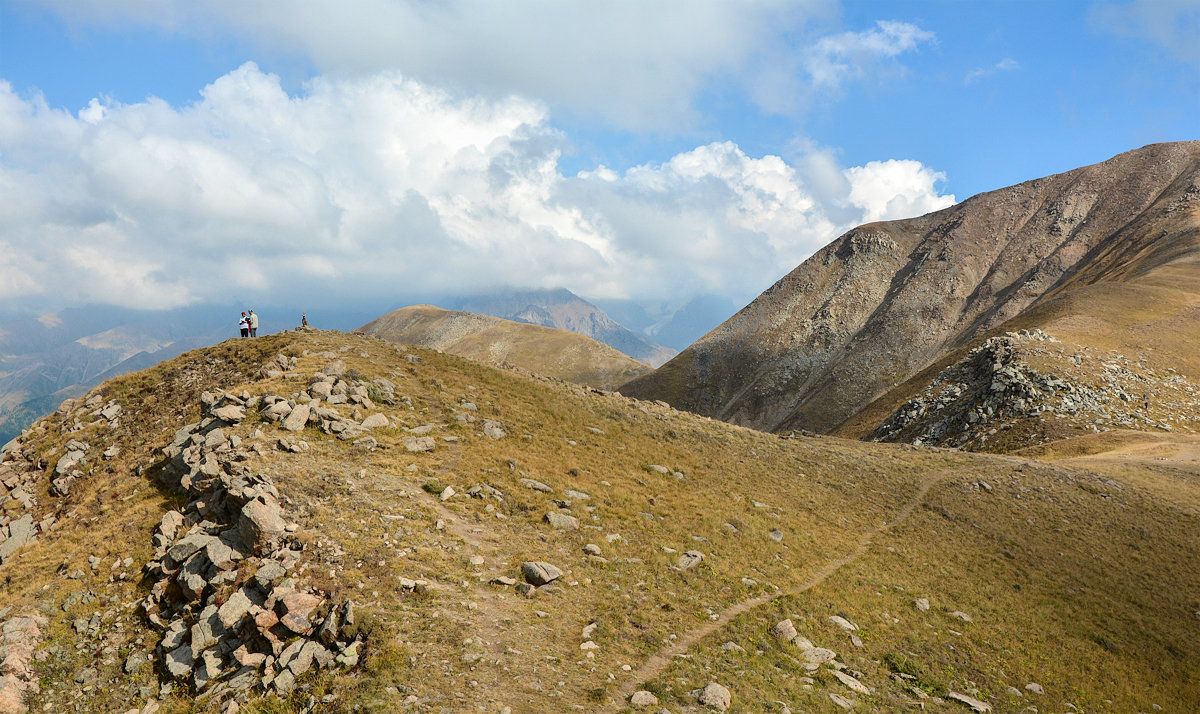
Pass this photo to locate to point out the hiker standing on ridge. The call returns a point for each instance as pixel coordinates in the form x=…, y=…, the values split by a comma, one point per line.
x=253, y=324
x=244, y=325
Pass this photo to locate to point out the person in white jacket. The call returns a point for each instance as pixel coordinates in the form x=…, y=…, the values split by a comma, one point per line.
x=244, y=325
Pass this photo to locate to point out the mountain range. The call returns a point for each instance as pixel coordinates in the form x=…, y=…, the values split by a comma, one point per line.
x=563, y=310
x=47, y=359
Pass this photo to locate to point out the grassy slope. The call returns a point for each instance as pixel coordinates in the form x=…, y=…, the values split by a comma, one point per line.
x=495, y=341
x=1069, y=571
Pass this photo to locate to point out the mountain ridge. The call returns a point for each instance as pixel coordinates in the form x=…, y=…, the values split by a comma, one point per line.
x=564, y=310
x=886, y=300
x=545, y=350
x=331, y=522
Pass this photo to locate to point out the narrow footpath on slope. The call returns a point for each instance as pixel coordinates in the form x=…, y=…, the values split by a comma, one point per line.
x=658, y=662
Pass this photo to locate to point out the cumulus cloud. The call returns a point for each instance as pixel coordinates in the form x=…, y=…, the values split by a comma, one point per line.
x=376, y=186
x=895, y=188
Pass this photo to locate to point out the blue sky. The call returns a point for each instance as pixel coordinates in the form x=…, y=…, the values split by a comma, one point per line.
x=167, y=153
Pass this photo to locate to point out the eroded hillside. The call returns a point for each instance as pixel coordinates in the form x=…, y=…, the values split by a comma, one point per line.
x=1103, y=256
x=325, y=522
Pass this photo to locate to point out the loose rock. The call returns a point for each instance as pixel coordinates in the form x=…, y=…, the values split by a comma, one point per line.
x=971, y=702
x=540, y=573
x=715, y=696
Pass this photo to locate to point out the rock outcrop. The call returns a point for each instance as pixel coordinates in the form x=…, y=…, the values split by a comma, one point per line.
x=996, y=396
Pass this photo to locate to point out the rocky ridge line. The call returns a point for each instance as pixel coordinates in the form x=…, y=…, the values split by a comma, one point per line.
x=233, y=620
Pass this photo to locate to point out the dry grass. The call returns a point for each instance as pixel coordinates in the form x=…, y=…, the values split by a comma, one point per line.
x=543, y=350
x=462, y=644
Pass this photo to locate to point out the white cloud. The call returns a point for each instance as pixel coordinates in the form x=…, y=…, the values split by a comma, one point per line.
x=1174, y=25
x=838, y=58
x=1005, y=65
x=629, y=64
x=379, y=186
x=891, y=189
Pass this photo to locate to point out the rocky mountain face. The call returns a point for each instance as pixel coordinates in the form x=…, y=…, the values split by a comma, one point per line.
x=564, y=310
x=1077, y=253
x=324, y=522
x=492, y=340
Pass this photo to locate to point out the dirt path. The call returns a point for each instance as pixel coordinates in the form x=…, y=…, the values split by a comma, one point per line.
x=653, y=667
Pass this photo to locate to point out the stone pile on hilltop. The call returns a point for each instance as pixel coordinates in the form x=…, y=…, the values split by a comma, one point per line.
x=1023, y=388
x=233, y=619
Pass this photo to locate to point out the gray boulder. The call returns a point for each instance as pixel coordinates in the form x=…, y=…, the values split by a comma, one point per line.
x=375, y=421
x=297, y=419
x=260, y=522
x=540, y=573
x=230, y=413
x=715, y=696
x=420, y=443
x=562, y=522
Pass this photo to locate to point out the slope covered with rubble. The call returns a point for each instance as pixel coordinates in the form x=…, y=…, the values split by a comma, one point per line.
x=323, y=522
x=1028, y=388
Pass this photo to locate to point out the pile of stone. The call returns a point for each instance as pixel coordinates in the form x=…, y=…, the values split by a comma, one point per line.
x=972, y=395
x=78, y=413
x=20, y=471
x=278, y=366
x=19, y=635
x=233, y=620
x=815, y=657
x=69, y=468
x=22, y=468
x=316, y=406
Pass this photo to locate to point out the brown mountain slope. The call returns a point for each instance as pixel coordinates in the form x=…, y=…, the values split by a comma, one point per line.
x=887, y=300
x=565, y=310
x=545, y=350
